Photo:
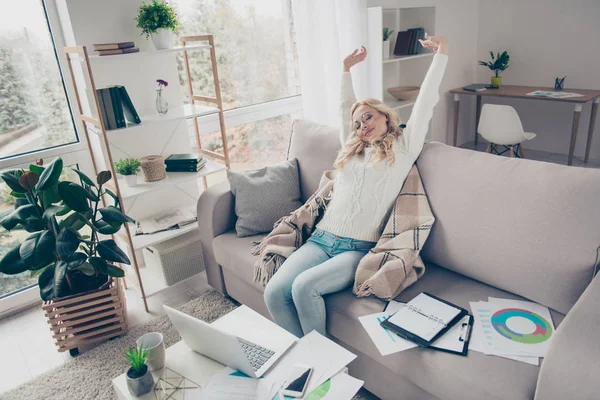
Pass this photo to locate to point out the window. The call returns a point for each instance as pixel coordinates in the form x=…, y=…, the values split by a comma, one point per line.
x=255, y=47
x=34, y=111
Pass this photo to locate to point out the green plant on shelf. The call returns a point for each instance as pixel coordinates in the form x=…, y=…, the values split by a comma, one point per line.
x=64, y=261
x=387, y=33
x=127, y=166
x=154, y=16
x=136, y=357
x=499, y=63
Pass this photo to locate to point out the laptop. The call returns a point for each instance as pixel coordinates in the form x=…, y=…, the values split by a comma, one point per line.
x=237, y=353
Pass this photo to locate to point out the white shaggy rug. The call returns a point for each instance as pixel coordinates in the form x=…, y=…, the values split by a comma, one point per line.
x=89, y=375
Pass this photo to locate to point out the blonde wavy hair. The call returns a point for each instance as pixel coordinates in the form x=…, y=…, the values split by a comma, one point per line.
x=382, y=145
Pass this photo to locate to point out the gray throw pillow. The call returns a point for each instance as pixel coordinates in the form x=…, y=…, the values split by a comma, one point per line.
x=264, y=195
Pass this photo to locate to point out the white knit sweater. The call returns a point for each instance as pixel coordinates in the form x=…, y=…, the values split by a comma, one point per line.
x=364, y=192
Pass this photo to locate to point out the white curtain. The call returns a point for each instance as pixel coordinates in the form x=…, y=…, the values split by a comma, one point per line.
x=326, y=32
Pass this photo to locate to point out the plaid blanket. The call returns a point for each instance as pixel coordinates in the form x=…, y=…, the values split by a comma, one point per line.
x=389, y=268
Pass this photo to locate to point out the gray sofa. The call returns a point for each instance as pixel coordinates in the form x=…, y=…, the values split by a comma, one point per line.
x=508, y=228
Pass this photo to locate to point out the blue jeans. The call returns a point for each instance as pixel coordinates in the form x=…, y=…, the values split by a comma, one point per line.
x=325, y=264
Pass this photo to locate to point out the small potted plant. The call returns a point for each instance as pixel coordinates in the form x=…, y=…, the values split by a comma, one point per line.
x=128, y=167
x=158, y=21
x=387, y=33
x=499, y=63
x=139, y=378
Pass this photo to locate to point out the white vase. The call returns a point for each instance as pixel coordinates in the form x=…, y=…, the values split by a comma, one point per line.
x=386, y=49
x=131, y=180
x=162, y=39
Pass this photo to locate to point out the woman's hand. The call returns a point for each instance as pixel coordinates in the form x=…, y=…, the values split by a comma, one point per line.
x=354, y=58
x=437, y=43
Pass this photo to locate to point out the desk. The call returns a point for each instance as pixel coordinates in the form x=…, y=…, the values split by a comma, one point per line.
x=520, y=92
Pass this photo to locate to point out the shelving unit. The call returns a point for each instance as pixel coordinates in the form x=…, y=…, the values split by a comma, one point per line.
x=132, y=134
x=397, y=70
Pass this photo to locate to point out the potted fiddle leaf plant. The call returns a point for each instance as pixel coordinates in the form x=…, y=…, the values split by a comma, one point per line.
x=139, y=378
x=66, y=249
x=158, y=21
x=387, y=33
x=499, y=63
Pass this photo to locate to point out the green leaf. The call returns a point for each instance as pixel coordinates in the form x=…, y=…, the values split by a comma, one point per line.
x=75, y=220
x=36, y=272
x=108, y=250
x=60, y=270
x=114, y=196
x=18, y=216
x=91, y=195
x=100, y=265
x=17, y=195
x=46, y=283
x=113, y=214
x=50, y=196
x=12, y=263
x=33, y=224
x=65, y=211
x=38, y=169
x=29, y=179
x=115, y=271
x=38, y=249
x=67, y=242
x=87, y=269
x=84, y=178
x=51, y=174
x=107, y=229
x=75, y=260
x=52, y=210
x=11, y=178
x=103, y=177
x=74, y=196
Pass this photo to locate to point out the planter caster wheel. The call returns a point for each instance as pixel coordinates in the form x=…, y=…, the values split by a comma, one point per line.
x=74, y=352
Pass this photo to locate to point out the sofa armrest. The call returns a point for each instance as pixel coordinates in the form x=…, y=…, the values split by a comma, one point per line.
x=216, y=215
x=571, y=367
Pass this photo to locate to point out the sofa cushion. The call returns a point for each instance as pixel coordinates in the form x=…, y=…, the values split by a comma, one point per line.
x=524, y=226
x=443, y=375
x=264, y=195
x=233, y=254
x=315, y=146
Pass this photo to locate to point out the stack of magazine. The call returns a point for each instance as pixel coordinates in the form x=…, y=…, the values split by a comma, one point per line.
x=172, y=219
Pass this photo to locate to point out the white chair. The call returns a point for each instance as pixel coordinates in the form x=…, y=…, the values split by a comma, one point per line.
x=501, y=126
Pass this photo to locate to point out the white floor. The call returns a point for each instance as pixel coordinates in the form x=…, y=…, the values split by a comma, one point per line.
x=25, y=337
x=538, y=155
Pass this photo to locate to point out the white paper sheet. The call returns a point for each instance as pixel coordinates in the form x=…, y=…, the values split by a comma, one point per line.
x=386, y=341
x=340, y=387
x=325, y=356
x=481, y=343
x=554, y=95
x=224, y=386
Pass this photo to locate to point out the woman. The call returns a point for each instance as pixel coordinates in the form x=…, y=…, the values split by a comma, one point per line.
x=372, y=166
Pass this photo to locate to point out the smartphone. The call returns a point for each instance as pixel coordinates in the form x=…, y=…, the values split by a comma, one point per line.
x=297, y=380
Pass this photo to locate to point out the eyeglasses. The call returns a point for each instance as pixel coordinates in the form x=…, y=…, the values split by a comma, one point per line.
x=363, y=121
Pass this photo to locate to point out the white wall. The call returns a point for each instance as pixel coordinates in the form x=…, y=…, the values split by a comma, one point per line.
x=545, y=39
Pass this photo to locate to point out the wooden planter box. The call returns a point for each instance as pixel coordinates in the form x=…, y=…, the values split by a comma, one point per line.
x=87, y=318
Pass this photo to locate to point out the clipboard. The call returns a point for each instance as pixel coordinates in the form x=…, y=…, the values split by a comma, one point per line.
x=418, y=339
x=456, y=340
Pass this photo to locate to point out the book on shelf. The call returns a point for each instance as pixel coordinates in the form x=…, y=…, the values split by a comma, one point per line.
x=407, y=42
x=118, y=51
x=113, y=46
x=131, y=114
x=172, y=219
x=117, y=106
x=107, y=112
x=186, y=168
x=184, y=157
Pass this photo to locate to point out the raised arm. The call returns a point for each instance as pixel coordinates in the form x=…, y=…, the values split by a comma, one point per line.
x=347, y=96
x=418, y=123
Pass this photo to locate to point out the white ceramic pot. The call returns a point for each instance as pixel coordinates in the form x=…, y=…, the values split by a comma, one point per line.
x=153, y=342
x=131, y=180
x=386, y=49
x=162, y=39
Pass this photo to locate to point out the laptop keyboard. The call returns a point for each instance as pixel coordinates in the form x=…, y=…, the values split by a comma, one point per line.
x=256, y=354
